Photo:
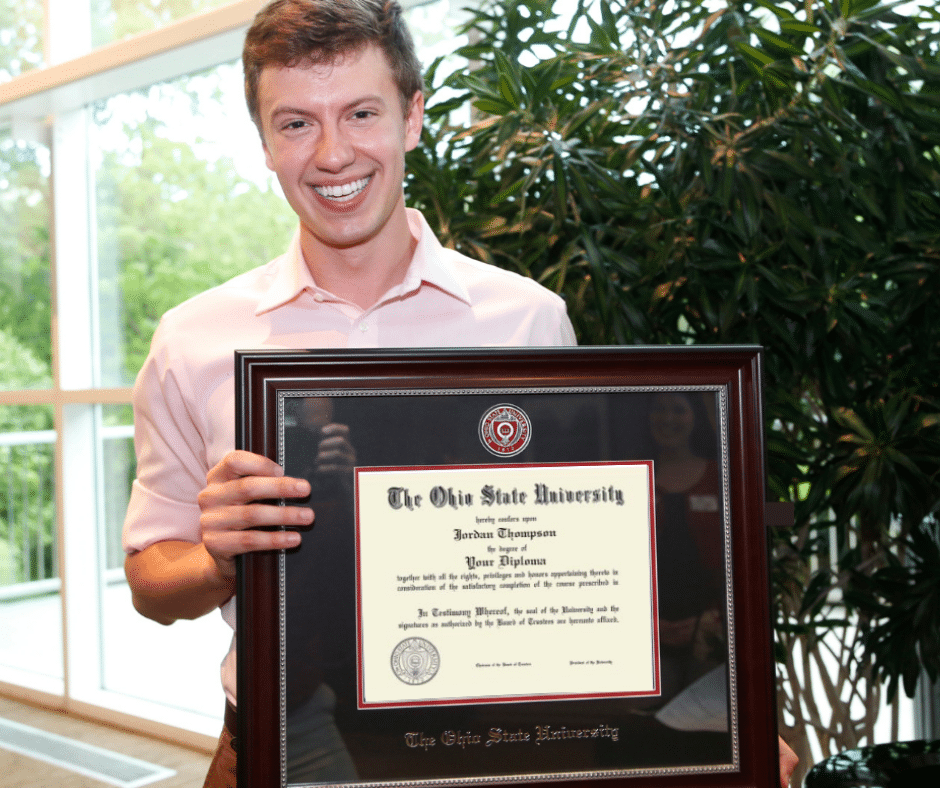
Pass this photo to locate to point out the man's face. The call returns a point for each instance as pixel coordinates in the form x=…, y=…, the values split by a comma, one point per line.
x=336, y=137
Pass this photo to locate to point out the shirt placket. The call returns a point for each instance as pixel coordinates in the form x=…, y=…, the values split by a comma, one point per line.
x=364, y=331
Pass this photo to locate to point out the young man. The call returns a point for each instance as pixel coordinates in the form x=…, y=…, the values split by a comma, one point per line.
x=336, y=92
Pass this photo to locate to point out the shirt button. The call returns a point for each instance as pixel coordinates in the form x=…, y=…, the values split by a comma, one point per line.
x=363, y=327
x=318, y=297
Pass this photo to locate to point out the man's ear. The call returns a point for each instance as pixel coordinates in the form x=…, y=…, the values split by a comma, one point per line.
x=414, y=121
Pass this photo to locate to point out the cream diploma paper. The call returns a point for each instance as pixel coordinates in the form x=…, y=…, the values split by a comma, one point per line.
x=506, y=582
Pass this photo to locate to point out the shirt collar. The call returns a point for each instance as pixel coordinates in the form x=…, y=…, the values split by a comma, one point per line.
x=289, y=276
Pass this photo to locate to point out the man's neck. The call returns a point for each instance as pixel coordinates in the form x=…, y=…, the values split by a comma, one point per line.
x=361, y=274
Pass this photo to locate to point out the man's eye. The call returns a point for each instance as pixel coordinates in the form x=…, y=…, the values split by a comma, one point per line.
x=363, y=114
x=296, y=124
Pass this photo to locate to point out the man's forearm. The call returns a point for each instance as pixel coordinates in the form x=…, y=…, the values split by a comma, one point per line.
x=174, y=580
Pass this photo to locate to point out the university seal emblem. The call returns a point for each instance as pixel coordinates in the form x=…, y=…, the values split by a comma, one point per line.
x=505, y=430
x=415, y=661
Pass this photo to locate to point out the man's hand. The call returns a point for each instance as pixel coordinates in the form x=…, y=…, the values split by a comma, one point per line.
x=788, y=762
x=176, y=579
x=232, y=512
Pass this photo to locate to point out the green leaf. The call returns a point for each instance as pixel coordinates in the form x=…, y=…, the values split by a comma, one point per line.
x=796, y=27
x=754, y=56
x=510, y=87
x=505, y=194
x=776, y=42
x=492, y=107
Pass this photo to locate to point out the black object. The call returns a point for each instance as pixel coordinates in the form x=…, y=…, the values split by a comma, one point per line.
x=908, y=764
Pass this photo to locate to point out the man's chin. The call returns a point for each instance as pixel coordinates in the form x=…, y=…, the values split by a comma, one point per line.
x=342, y=241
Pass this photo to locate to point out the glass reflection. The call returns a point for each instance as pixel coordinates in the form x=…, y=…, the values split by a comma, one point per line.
x=686, y=725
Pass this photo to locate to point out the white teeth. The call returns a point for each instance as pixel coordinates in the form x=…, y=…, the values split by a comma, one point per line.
x=347, y=190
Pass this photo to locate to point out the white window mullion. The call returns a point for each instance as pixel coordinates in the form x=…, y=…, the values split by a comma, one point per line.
x=80, y=548
x=68, y=36
x=73, y=335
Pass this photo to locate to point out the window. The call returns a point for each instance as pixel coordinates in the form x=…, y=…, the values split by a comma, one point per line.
x=115, y=20
x=183, y=201
x=21, y=37
x=130, y=179
x=30, y=605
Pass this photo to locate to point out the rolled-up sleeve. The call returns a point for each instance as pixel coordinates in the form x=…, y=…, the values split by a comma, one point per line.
x=171, y=455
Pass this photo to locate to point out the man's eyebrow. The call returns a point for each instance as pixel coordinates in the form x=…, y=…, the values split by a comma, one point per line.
x=289, y=110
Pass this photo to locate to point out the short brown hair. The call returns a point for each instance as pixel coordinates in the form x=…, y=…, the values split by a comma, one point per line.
x=287, y=33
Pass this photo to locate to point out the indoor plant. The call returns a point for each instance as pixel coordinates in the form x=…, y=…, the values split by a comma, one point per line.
x=750, y=172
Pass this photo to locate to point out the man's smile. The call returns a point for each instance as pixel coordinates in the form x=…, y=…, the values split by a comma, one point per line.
x=344, y=192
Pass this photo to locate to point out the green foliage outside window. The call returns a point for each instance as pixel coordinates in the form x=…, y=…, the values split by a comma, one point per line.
x=743, y=172
x=21, y=36
x=113, y=20
x=173, y=218
x=171, y=225
x=25, y=350
x=25, y=305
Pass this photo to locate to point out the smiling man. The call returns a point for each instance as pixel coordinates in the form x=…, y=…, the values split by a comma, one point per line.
x=335, y=90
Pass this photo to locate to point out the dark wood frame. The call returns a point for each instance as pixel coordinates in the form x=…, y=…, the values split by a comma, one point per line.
x=737, y=370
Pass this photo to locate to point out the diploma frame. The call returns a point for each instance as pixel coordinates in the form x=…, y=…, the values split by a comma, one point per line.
x=731, y=373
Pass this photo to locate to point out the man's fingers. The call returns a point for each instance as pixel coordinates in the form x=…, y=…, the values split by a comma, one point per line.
x=252, y=488
x=228, y=544
x=231, y=531
x=788, y=762
x=235, y=517
x=253, y=515
x=236, y=464
x=224, y=546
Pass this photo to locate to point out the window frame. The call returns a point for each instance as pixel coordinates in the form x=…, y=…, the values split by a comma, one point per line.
x=50, y=106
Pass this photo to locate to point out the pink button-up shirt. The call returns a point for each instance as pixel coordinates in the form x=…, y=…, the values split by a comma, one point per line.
x=184, y=397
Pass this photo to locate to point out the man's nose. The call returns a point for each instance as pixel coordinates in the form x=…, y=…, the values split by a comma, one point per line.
x=334, y=151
